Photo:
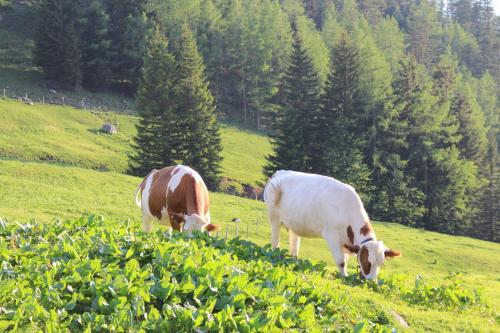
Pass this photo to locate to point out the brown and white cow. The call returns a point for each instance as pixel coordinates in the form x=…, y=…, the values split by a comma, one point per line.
x=311, y=205
x=175, y=195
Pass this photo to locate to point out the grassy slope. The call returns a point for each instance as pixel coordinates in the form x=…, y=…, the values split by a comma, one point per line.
x=42, y=191
x=243, y=154
x=71, y=137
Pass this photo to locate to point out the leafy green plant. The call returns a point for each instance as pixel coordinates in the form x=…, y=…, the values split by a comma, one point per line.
x=78, y=275
x=451, y=294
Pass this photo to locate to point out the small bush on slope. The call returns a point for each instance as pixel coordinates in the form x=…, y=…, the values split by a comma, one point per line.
x=78, y=275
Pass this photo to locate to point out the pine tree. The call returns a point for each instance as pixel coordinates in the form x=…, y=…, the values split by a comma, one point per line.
x=94, y=46
x=461, y=12
x=56, y=42
x=414, y=104
x=257, y=40
x=295, y=142
x=486, y=224
x=450, y=177
x=465, y=46
x=473, y=142
x=314, y=45
x=395, y=198
x=373, y=10
x=375, y=79
x=391, y=41
x=197, y=136
x=424, y=33
x=128, y=31
x=315, y=10
x=341, y=117
x=487, y=221
x=332, y=28
x=154, y=147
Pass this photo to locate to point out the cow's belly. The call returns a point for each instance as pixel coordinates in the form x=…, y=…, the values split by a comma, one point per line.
x=309, y=219
x=302, y=227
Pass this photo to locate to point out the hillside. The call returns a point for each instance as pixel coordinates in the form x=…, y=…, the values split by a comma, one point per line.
x=72, y=137
x=40, y=192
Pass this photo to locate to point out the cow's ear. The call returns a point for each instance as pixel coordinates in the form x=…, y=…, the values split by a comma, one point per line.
x=352, y=248
x=388, y=253
x=211, y=227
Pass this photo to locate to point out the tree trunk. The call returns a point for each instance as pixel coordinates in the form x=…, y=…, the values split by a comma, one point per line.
x=243, y=87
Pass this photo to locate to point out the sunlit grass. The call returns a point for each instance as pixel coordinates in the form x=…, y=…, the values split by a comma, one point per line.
x=44, y=192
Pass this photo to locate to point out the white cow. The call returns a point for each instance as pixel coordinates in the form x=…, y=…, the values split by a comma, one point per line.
x=310, y=205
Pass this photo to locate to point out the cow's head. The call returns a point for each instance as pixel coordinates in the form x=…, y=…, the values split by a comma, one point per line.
x=193, y=222
x=371, y=255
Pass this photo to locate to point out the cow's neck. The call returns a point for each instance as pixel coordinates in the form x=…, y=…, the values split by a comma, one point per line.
x=363, y=233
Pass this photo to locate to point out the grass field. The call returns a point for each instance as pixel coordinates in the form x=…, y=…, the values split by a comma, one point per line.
x=39, y=191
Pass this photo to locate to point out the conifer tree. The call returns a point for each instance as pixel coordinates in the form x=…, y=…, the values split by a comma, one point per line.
x=473, y=142
x=154, y=147
x=56, y=42
x=391, y=41
x=487, y=220
x=450, y=178
x=461, y=11
x=197, y=136
x=128, y=35
x=341, y=114
x=395, y=199
x=257, y=40
x=94, y=45
x=486, y=223
x=424, y=33
x=414, y=104
x=373, y=10
x=295, y=142
x=332, y=28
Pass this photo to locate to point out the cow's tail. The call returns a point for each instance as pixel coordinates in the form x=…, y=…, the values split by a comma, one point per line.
x=272, y=192
x=138, y=190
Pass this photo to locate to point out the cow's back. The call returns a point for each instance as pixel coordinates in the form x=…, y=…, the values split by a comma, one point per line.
x=309, y=204
x=177, y=189
x=187, y=192
x=157, y=196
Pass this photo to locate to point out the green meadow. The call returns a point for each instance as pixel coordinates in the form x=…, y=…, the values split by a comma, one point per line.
x=55, y=164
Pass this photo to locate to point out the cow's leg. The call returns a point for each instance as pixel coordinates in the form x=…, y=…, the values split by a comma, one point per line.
x=338, y=253
x=147, y=223
x=294, y=241
x=346, y=259
x=207, y=217
x=274, y=219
